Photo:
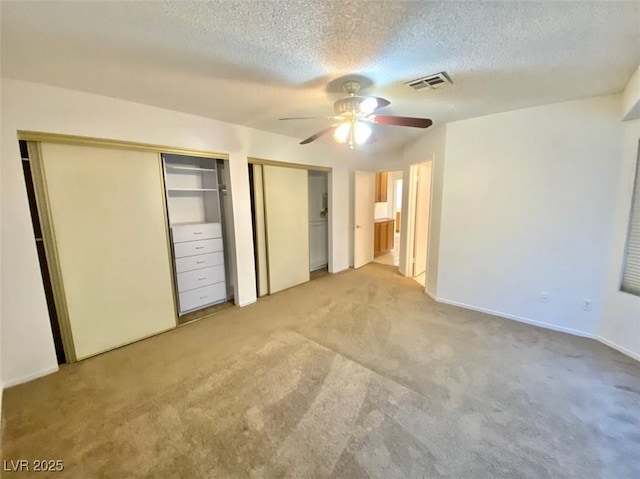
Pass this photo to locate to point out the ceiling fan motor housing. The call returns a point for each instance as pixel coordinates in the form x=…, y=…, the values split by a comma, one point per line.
x=348, y=104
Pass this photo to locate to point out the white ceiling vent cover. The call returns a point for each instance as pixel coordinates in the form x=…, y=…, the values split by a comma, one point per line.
x=432, y=81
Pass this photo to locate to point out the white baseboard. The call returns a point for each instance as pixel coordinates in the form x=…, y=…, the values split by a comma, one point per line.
x=520, y=319
x=340, y=270
x=431, y=295
x=619, y=348
x=248, y=302
x=29, y=377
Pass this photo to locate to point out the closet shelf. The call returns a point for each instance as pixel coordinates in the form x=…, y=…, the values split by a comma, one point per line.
x=190, y=168
x=192, y=189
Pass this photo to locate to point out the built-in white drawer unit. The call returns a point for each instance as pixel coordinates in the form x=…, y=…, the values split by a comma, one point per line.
x=189, y=263
x=196, y=298
x=196, y=217
x=191, y=248
x=196, y=231
x=200, y=277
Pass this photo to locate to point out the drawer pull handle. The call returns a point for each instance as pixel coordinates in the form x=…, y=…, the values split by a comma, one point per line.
x=199, y=247
x=197, y=232
x=203, y=297
x=202, y=279
x=199, y=262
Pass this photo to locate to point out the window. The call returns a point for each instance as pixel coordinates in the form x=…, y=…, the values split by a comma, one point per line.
x=631, y=275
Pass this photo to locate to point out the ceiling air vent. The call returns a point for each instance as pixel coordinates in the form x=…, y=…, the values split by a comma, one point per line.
x=431, y=81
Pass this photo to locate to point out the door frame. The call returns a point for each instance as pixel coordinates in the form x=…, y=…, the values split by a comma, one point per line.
x=408, y=240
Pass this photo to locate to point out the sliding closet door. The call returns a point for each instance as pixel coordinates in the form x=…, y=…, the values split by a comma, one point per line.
x=108, y=220
x=260, y=232
x=287, y=223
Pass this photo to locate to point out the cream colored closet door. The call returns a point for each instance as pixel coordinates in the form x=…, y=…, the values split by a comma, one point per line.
x=286, y=196
x=107, y=211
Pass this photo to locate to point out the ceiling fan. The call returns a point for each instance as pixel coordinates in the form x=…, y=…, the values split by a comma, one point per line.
x=354, y=116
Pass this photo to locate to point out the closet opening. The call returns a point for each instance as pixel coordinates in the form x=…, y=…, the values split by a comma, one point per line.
x=290, y=220
x=199, y=213
x=318, y=224
x=133, y=240
x=42, y=255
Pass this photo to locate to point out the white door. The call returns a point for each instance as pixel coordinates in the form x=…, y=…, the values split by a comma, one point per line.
x=286, y=202
x=364, y=206
x=423, y=203
x=107, y=210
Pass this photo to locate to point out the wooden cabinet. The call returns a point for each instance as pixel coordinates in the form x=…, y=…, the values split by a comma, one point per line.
x=381, y=187
x=383, y=236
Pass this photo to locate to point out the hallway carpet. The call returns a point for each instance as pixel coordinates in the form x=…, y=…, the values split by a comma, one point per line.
x=354, y=375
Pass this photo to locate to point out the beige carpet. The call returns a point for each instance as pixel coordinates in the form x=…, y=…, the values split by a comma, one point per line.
x=353, y=375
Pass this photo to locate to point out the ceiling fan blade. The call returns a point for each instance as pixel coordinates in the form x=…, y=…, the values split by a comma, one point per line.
x=329, y=129
x=311, y=118
x=401, y=121
x=382, y=102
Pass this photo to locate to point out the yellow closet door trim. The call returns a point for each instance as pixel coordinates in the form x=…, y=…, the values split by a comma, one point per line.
x=107, y=213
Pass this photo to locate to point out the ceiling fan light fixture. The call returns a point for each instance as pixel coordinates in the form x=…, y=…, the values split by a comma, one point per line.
x=361, y=132
x=354, y=116
x=341, y=134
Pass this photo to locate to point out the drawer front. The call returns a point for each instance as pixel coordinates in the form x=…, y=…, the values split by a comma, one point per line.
x=200, y=277
x=191, y=248
x=196, y=232
x=197, y=298
x=190, y=263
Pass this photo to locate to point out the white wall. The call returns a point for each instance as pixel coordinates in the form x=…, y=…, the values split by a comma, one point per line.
x=381, y=210
x=631, y=98
x=385, y=209
x=26, y=342
x=391, y=192
x=527, y=208
x=620, y=324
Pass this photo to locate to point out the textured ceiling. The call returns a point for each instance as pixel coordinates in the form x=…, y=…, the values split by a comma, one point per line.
x=252, y=62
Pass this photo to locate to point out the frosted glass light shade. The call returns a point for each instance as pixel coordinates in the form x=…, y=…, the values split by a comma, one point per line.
x=368, y=105
x=361, y=133
x=342, y=132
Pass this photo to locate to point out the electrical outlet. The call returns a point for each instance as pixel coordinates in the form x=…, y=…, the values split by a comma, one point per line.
x=544, y=297
x=586, y=305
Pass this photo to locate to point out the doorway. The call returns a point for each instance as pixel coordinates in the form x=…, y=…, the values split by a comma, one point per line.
x=418, y=224
x=387, y=217
x=318, y=224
